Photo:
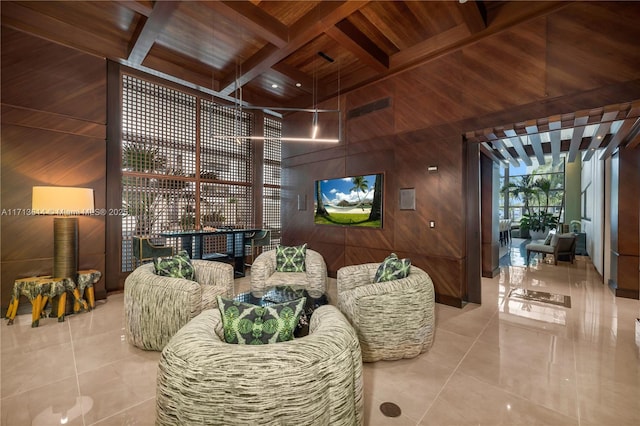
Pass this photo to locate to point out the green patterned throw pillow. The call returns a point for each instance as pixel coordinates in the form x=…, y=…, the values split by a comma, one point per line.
x=392, y=268
x=178, y=266
x=291, y=259
x=248, y=324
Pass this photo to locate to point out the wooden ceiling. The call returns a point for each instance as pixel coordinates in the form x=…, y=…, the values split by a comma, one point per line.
x=294, y=54
x=310, y=50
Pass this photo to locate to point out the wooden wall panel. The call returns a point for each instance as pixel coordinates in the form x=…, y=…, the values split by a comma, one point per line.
x=373, y=124
x=578, y=60
x=626, y=235
x=505, y=70
x=489, y=219
x=53, y=133
x=516, y=75
x=45, y=76
x=437, y=88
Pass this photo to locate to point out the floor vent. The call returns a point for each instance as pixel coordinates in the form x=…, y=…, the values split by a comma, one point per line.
x=389, y=409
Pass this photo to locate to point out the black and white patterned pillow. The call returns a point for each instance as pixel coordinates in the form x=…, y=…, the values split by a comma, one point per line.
x=247, y=324
x=392, y=268
x=291, y=259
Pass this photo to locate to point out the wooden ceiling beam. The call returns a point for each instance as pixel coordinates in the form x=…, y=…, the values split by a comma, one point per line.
x=518, y=146
x=348, y=36
x=438, y=43
x=137, y=6
x=143, y=40
x=471, y=16
x=316, y=22
x=252, y=18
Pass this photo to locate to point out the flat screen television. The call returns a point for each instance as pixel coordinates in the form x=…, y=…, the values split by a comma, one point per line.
x=349, y=201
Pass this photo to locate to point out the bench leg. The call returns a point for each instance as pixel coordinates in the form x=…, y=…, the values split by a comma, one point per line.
x=91, y=296
x=62, y=306
x=36, y=310
x=12, y=310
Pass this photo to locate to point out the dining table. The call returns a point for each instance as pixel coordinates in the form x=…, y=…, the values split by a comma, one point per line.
x=192, y=241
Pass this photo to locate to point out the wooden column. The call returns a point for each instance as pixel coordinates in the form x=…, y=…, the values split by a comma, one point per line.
x=489, y=219
x=625, y=223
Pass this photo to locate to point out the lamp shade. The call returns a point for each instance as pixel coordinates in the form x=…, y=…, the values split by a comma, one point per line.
x=62, y=200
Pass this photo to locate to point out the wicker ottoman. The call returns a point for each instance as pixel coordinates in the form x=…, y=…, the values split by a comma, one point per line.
x=313, y=380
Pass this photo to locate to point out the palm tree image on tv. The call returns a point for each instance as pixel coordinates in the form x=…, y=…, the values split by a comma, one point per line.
x=360, y=183
x=349, y=201
x=376, y=206
x=320, y=210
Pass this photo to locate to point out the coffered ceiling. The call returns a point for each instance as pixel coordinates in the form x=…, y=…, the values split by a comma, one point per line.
x=294, y=54
x=281, y=53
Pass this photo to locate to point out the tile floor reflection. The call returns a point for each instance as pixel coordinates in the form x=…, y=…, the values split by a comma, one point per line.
x=504, y=362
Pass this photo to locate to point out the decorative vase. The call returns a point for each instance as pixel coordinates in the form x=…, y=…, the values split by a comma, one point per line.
x=539, y=235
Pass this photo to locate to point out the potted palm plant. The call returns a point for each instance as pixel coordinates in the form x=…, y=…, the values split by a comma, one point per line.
x=524, y=189
x=137, y=203
x=539, y=224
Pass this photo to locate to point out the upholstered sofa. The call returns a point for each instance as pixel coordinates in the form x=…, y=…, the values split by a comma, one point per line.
x=264, y=274
x=312, y=380
x=559, y=245
x=156, y=307
x=393, y=319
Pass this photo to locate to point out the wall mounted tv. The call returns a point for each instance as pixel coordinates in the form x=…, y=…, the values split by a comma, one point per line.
x=349, y=201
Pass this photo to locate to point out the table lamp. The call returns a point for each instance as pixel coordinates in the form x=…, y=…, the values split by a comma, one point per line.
x=64, y=203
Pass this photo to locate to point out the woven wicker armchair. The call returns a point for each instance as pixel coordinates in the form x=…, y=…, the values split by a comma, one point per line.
x=393, y=319
x=312, y=380
x=263, y=272
x=156, y=307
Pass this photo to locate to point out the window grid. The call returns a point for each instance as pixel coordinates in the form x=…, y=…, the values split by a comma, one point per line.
x=159, y=166
x=272, y=166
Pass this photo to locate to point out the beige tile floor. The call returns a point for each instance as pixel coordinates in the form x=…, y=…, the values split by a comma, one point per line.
x=504, y=362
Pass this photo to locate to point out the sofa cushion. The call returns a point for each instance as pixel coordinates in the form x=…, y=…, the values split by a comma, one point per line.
x=392, y=268
x=248, y=324
x=291, y=259
x=286, y=278
x=178, y=266
x=540, y=248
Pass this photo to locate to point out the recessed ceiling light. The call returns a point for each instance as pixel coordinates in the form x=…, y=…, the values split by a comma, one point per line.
x=275, y=86
x=298, y=84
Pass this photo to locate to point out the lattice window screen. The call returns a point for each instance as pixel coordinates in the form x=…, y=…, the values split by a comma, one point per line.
x=272, y=172
x=225, y=164
x=159, y=165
